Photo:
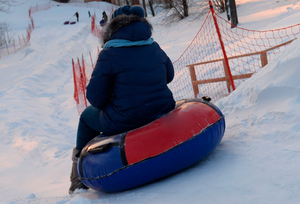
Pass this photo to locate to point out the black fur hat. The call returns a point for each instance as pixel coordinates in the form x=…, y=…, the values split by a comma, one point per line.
x=119, y=22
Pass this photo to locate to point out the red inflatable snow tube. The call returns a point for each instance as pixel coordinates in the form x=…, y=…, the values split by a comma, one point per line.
x=165, y=146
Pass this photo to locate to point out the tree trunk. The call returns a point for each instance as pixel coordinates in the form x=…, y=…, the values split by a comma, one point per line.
x=144, y=6
x=233, y=13
x=151, y=7
x=168, y=3
x=135, y=2
x=185, y=8
x=177, y=11
x=227, y=9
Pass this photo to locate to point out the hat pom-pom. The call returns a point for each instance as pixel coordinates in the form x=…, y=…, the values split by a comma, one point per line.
x=128, y=10
x=137, y=10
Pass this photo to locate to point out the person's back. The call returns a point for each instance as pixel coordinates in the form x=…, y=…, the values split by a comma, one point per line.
x=130, y=81
x=128, y=87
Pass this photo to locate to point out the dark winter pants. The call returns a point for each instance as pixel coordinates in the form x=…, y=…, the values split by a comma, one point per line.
x=89, y=126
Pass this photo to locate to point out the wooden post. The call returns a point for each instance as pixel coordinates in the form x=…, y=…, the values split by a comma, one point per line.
x=263, y=58
x=75, y=84
x=226, y=76
x=194, y=80
x=92, y=61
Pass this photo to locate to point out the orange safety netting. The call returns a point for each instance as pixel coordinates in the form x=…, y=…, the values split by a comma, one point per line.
x=95, y=29
x=16, y=44
x=80, y=82
x=202, y=69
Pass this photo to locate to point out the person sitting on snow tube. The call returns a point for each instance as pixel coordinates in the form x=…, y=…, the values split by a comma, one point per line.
x=128, y=87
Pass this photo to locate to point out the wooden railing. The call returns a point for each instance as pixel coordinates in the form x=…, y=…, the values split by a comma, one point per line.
x=263, y=58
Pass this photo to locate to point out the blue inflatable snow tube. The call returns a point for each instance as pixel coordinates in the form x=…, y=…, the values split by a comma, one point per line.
x=163, y=147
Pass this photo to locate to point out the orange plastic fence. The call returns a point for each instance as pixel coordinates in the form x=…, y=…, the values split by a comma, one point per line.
x=95, y=29
x=95, y=26
x=17, y=44
x=80, y=82
x=205, y=69
x=39, y=7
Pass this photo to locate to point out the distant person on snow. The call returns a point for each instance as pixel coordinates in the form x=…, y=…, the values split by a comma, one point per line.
x=104, y=19
x=128, y=87
x=104, y=16
x=77, y=16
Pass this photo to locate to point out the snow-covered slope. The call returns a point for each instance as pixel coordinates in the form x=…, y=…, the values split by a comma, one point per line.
x=256, y=162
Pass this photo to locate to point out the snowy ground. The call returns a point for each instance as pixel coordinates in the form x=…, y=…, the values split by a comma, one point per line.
x=256, y=162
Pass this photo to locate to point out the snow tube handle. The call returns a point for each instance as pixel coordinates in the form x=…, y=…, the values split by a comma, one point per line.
x=102, y=144
x=100, y=149
x=206, y=98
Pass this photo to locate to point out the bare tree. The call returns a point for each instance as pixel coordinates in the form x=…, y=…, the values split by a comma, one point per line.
x=230, y=7
x=4, y=34
x=135, y=2
x=4, y=27
x=219, y=5
x=177, y=10
x=150, y=2
x=185, y=8
x=151, y=7
x=177, y=6
x=5, y=4
x=144, y=6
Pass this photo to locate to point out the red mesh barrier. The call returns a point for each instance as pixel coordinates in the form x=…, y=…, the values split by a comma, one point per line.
x=95, y=29
x=39, y=7
x=79, y=85
x=17, y=44
x=202, y=68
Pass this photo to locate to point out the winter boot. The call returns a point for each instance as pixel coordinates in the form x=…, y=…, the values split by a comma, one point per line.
x=75, y=182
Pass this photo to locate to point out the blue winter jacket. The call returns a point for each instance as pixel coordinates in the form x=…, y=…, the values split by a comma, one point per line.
x=129, y=83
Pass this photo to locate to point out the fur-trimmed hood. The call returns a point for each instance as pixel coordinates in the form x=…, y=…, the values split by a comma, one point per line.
x=128, y=27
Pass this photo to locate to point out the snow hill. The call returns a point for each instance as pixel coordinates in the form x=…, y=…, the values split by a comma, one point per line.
x=256, y=162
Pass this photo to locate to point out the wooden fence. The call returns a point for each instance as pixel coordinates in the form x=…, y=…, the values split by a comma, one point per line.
x=263, y=58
